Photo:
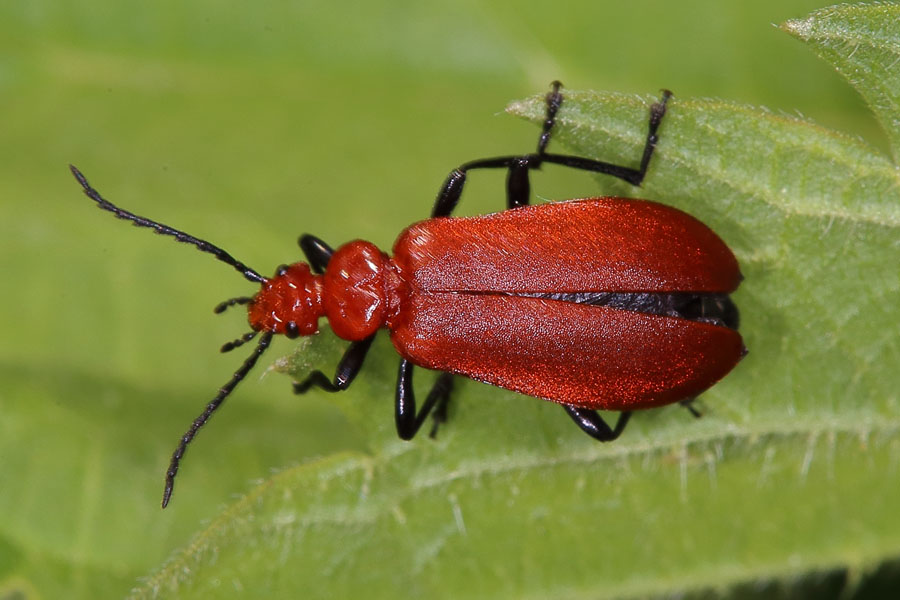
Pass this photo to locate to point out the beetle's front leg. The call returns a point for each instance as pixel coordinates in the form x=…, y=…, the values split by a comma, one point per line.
x=347, y=370
x=317, y=252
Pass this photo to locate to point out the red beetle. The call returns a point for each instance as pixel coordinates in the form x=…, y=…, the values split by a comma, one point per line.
x=605, y=303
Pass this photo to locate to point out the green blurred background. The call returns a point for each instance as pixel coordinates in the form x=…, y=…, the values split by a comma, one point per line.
x=248, y=124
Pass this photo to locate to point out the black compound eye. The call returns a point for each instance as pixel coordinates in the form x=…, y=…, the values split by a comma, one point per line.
x=291, y=330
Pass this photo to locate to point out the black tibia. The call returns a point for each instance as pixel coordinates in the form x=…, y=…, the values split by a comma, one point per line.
x=593, y=424
x=408, y=421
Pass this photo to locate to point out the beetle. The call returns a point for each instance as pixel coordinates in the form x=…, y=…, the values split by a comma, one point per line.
x=596, y=304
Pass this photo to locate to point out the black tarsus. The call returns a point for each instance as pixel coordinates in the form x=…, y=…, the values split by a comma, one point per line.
x=554, y=100
x=657, y=112
x=162, y=229
x=216, y=402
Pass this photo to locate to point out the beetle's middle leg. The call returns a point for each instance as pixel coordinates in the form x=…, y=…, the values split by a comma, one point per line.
x=408, y=420
x=593, y=424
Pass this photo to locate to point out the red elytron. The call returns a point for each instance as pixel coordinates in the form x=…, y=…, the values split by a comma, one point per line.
x=604, y=303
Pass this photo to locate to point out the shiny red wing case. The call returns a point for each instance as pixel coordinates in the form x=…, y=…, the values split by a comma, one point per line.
x=460, y=312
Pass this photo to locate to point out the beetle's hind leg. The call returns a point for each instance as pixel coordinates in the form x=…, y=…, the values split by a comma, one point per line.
x=688, y=403
x=443, y=389
x=408, y=420
x=518, y=185
x=518, y=180
x=593, y=424
x=347, y=370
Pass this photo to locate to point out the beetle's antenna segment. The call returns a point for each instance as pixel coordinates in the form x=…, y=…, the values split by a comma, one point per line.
x=162, y=229
x=229, y=346
x=210, y=409
x=222, y=306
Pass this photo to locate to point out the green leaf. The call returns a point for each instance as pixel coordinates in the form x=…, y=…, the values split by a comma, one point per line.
x=861, y=41
x=665, y=515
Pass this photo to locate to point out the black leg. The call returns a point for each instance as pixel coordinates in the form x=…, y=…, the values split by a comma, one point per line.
x=518, y=184
x=442, y=389
x=554, y=100
x=408, y=421
x=317, y=252
x=518, y=188
x=689, y=404
x=593, y=424
x=347, y=370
